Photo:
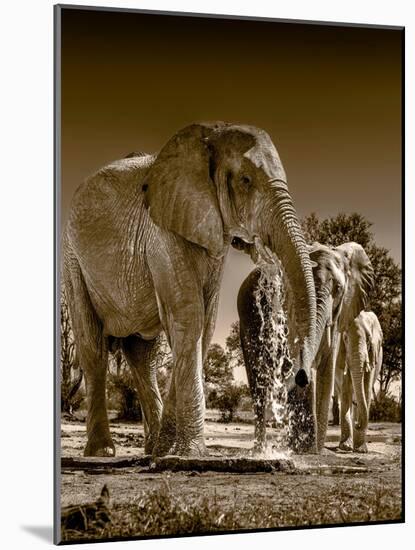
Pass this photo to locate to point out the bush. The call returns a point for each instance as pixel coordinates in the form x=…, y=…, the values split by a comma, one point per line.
x=227, y=400
x=385, y=408
x=246, y=404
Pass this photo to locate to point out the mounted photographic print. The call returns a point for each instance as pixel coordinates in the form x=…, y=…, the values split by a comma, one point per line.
x=228, y=274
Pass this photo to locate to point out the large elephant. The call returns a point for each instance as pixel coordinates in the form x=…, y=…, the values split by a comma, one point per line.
x=358, y=364
x=343, y=277
x=144, y=251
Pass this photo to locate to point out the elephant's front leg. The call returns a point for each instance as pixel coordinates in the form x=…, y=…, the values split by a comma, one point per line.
x=177, y=271
x=361, y=389
x=167, y=435
x=183, y=416
x=190, y=401
x=324, y=389
x=346, y=436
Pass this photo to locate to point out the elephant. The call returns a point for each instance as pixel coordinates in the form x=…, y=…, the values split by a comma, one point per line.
x=358, y=365
x=143, y=252
x=343, y=278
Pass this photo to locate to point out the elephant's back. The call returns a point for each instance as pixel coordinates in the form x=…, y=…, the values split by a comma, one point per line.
x=107, y=231
x=104, y=200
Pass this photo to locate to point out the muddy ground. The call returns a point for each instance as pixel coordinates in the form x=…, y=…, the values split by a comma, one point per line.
x=336, y=487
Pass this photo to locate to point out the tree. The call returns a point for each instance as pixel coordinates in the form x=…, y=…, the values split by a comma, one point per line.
x=71, y=373
x=386, y=296
x=228, y=399
x=336, y=230
x=217, y=368
x=391, y=370
x=233, y=346
x=217, y=373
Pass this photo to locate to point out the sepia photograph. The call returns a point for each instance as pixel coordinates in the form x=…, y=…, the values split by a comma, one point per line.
x=229, y=228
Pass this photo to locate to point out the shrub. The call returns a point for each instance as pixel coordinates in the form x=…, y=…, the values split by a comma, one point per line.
x=227, y=400
x=385, y=408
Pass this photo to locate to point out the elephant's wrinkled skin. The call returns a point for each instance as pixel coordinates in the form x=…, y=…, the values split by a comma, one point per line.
x=144, y=250
x=343, y=278
x=358, y=364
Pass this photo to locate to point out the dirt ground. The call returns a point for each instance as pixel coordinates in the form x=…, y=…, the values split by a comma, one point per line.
x=345, y=487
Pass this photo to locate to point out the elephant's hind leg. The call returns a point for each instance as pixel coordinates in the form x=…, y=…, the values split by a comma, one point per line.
x=92, y=350
x=139, y=355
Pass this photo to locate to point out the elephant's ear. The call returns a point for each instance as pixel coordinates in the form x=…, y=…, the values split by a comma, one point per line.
x=359, y=277
x=180, y=193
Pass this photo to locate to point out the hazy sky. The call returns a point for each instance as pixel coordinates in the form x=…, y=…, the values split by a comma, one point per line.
x=330, y=97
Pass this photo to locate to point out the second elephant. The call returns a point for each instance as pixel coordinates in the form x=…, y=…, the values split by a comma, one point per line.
x=343, y=278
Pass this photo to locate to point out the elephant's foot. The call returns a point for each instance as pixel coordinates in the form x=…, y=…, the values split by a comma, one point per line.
x=361, y=448
x=100, y=447
x=346, y=445
x=149, y=444
x=359, y=440
x=195, y=447
x=163, y=447
x=164, y=443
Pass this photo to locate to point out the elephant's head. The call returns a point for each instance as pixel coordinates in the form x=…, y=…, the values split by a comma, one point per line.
x=216, y=184
x=343, y=279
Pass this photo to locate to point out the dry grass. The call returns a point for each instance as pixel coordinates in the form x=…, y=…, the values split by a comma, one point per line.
x=165, y=511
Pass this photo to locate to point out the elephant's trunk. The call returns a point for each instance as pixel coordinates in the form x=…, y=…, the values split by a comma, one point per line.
x=282, y=233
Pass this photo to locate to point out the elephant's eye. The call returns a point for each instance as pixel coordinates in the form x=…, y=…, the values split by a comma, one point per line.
x=246, y=180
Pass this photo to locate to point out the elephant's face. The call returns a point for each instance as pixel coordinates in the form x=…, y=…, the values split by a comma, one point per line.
x=216, y=184
x=343, y=278
x=247, y=171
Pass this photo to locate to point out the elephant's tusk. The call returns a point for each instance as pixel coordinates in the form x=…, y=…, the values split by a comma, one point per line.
x=263, y=253
x=328, y=334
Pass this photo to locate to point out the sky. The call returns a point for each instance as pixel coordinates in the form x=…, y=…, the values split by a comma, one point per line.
x=329, y=96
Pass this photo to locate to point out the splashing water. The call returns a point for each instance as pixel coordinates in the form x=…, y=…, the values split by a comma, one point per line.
x=274, y=354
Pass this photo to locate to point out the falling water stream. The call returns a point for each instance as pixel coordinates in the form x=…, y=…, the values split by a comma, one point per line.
x=274, y=356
